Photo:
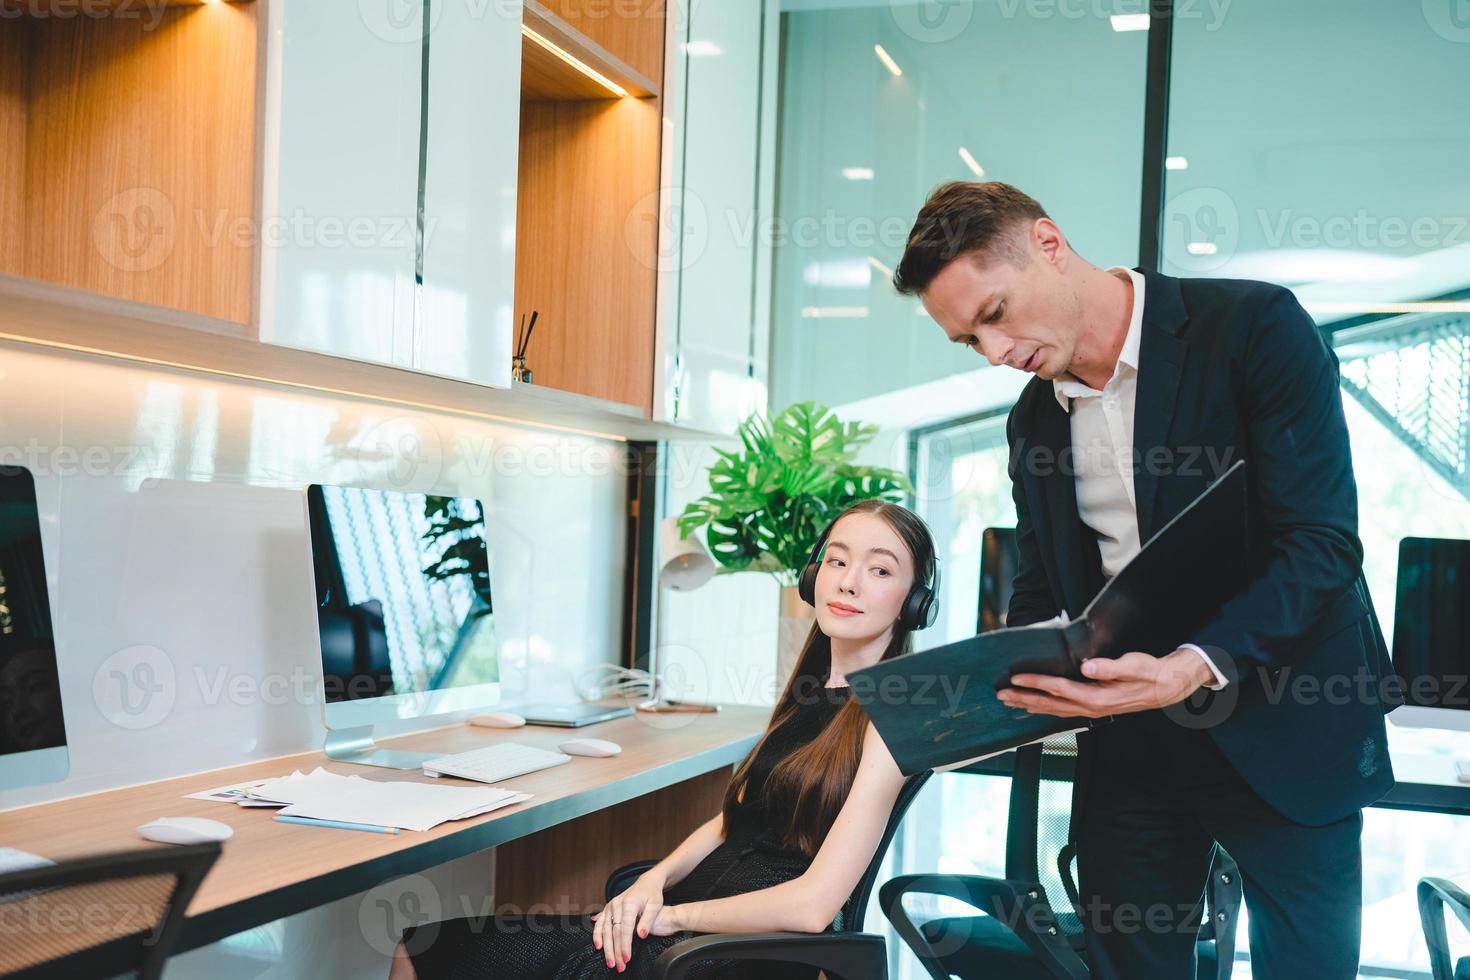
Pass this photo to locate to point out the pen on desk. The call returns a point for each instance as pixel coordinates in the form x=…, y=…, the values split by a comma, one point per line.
x=336, y=824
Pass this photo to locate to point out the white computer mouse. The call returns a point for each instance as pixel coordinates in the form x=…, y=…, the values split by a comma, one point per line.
x=498, y=719
x=185, y=830
x=597, y=747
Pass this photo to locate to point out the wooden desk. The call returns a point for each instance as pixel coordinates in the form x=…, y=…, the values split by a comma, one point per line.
x=268, y=870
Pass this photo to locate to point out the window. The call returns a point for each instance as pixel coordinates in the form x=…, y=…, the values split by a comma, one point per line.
x=880, y=103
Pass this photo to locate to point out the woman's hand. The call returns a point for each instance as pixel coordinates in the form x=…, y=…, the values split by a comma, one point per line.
x=639, y=908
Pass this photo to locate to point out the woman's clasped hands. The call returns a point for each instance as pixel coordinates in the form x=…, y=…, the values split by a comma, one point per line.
x=641, y=908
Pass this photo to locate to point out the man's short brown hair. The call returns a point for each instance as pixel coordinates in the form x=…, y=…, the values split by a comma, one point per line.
x=961, y=217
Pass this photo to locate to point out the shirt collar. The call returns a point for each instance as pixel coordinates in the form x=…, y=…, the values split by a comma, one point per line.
x=1067, y=390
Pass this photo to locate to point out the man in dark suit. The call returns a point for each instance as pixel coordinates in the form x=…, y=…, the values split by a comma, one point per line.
x=1264, y=732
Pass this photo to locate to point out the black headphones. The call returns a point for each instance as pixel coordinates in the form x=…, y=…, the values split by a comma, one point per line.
x=920, y=606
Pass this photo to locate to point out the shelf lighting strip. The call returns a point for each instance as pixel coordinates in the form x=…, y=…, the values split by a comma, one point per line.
x=576, y=63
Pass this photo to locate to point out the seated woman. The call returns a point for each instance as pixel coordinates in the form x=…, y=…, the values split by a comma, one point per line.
x=802, y=814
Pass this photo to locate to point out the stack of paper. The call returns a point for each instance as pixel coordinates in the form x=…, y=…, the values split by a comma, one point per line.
x=324, y=795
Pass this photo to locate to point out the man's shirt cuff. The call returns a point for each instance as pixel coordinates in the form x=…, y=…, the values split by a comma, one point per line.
x=1220, y=681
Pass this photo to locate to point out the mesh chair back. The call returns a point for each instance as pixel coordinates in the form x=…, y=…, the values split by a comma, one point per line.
x=109, y=915
x=850, y=919
x=1041, y=798
x=1039, y=822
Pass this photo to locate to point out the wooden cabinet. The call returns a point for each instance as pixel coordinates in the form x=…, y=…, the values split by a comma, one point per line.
x=338, y=257
x=588, y=193
x=299, y=173
x=390, y=192
x=128, y=153
x=471, y=155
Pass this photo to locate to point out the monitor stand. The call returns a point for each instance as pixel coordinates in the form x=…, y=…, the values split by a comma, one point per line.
x=356, y=745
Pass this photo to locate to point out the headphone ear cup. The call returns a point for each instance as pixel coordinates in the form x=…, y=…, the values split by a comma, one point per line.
x=930, y=610
x=806, y=586
x=916, y=605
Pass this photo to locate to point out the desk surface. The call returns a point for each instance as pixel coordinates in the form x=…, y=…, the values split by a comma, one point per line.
x=268, y=869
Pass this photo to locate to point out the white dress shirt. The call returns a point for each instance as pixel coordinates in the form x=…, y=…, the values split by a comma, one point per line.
x=1102, y=446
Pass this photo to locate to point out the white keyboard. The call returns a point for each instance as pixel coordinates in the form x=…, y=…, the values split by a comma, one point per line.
x=494, y=763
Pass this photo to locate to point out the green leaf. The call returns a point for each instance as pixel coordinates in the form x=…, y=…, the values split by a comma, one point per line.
x=807, y=432
x=735, y=544
x=768, y=503
x=755, y=433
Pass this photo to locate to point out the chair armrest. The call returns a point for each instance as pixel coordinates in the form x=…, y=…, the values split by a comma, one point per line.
x=1225, y=892
x=1020, y=906
x=621, y=878
x=844, y=955
x=1434, y=895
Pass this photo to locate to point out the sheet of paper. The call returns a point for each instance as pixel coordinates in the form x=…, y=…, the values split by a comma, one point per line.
x=233, y=793
x=408, y=805
x=299, y=786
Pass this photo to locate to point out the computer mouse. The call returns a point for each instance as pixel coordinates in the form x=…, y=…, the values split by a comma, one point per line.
x=498, y=719
x=599, y=748
x=185, y=830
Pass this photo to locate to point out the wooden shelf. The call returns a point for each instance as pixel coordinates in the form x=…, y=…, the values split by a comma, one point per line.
x=106, y=190
x=632, y=31
x=546, y=77
x=587, y=199
x=86, y=324
x=157, y=200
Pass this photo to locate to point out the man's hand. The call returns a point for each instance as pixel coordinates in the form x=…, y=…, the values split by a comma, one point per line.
x=1133, y=682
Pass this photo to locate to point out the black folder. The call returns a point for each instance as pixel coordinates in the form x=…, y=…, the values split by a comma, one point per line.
x=938, y=707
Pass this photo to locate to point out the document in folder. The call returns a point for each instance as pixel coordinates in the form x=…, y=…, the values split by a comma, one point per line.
x=938, y=708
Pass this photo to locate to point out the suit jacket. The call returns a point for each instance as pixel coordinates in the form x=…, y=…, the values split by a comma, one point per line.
x=1232, y=369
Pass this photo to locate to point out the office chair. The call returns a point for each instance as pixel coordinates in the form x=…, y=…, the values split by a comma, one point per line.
x=105, y=916
x=845, y=953
x=1026, y=933
x=1435, y=894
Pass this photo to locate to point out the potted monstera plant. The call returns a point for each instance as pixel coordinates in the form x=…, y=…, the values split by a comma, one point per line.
x=768, y=503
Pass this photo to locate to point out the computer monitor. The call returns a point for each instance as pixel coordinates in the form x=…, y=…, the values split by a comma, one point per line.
x=1431, y=633
x=998, y=562
x=404, y=612
x=32, y=730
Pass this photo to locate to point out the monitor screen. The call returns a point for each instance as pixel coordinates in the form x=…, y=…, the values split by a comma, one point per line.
x=998, y=561
x=402, y=593
x=32, y=730
x=1431, y=634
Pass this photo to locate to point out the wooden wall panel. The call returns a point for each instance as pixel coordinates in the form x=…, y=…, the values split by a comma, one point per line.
x=140, y=157
x=632, y=30
x=586, y=244
x=566, y=867
x=13, y=40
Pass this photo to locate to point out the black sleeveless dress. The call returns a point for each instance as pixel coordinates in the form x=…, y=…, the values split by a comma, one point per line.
x=554, y=947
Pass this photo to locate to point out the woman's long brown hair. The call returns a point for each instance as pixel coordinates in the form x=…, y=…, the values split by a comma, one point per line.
x=812, y=783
